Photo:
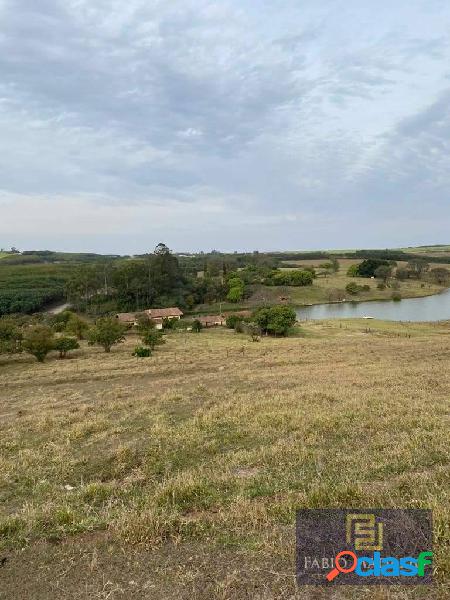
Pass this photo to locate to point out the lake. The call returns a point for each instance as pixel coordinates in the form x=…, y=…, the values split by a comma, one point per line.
x=429, y=308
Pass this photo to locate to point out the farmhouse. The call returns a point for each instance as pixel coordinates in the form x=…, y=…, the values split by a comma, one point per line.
x=127, y=318
x=212, y=320
x=164, y=313
x=155, y=314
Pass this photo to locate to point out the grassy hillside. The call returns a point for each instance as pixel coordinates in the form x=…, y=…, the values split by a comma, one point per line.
x=178, y=476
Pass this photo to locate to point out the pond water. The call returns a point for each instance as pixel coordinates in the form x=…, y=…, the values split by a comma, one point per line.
x=429, y=308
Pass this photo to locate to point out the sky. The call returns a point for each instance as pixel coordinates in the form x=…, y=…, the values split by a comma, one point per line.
x=231, y=125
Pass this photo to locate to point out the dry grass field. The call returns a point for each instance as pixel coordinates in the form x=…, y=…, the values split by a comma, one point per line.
x=178, y=476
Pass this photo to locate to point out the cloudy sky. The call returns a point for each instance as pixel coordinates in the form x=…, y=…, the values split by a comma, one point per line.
x=239, y=124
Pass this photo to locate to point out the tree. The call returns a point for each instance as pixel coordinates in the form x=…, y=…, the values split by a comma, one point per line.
x=327, y=267
x=335, y=266
x=38, y=340
x=232, y=320
x=144, y=323
x=197, y=326
x=235, y=294
x=300, y=278
x=65, y=344
x=236, y=288
x=106, y=333
x=77, y=326
x=59, y=321
x=367, y=267
x=10, y=337
x=276, y=319
x=152, y=338
x=383, y=272
x=418, y=266
x=352, y=271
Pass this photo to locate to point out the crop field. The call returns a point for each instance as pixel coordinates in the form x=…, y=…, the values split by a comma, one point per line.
x=26, y=288
x=178, y=475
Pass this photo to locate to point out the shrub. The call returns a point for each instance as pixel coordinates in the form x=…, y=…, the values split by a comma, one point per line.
x=169, y=323
x=396, y=296
x=197, y=326
x=232, y=320
x=253, y=330
x=65, y=344
x=142, y=352
x=291, y=278
x=352, y=288
x=381, y=286
x=39, y=341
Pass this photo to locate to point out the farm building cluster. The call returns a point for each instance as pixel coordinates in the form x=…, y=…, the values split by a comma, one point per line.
x=159, y=315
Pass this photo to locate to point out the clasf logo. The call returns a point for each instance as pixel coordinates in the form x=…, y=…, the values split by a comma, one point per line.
x=378, y=566
x=365, y=546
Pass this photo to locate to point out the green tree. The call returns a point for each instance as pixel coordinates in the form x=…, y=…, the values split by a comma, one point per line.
x=236, y=288
x=300, y=278
x=368, y=267
x=352, y=271
x=10, y=337
x=235, y=294
x=106, y=333
x=152, y=338
x=77, y=326
x=59, y=322
x=232, y=320
x=276, y=320
x=197, y=326
x=65, y=344
x=38, y=340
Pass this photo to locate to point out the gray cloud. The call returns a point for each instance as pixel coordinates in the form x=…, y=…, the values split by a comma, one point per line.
x=276, y=117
